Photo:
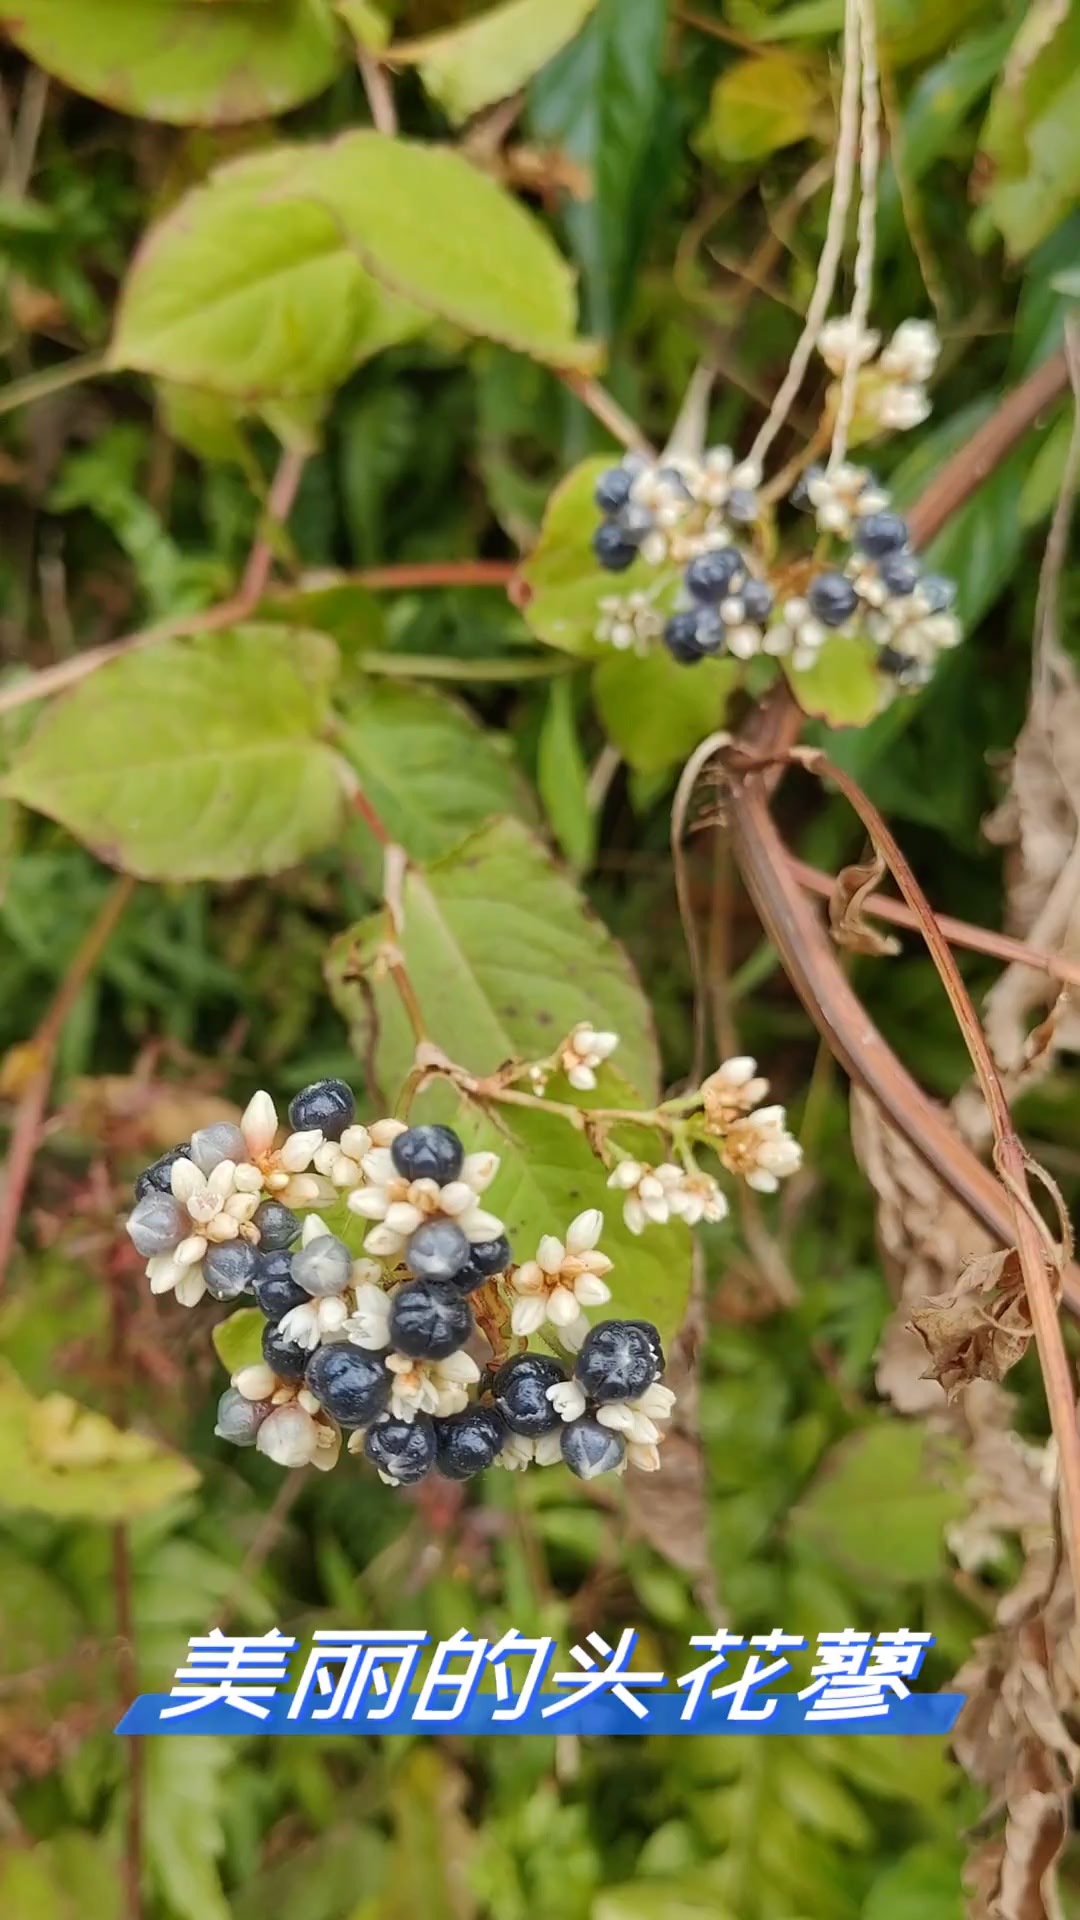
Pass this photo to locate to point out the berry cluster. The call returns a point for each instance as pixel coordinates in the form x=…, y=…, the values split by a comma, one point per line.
x=673, y=510
x=383, y=1347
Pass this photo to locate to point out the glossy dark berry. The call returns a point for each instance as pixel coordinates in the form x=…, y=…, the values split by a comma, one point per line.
x=619, y=1359
x=468, y=1442
x=520, y=1393
x=709, y=578
x=757, y=599
x=485, y=1258
x=229, y=1269
x=352, y=1386
x=832, y=598
x=899, y=572
x=276, y=1292
x=612, y=490
x=323, y=1267
x=900, y=665
x=403, y=1448
x=741, y=506
x=938, y=592
x=287, y=1359
x=612, y=548
x=693, y=635
x=329, y=1105
x=428, y=1153
x=436, y=1251
x=158, y=1178
x=277, y=1226
x=880, y=533
x=238, y=1420
x=429, y=1319
x=589, y=1449
x=156, y=1224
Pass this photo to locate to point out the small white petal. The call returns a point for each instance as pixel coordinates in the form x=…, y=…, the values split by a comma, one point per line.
x=313, y=1229
x=288, y=1436
x=379, y=1167
x=527, y=1316
x=402, y=1218
x=185, y=1180
x=590, y=1290
x=626, y=1174
x=550, y=1254
x=645, y=1458
x=762, y=1182
x=573, y=1336
x=634, y=1215
x=355, y=1141
x=301, y=1326
x=369, y=1202
x=259, y=1122
x=190, y=1286
x=479, y=1170
x=584, y=1231
x=247, y=1179
x=582, y=1078
x=384, y=1132
x=255, y=1383
x=568, y=1399
x=562, y=1307
x=479, y=1225
x=300, y=1149
x=548, y=1449
x=382, y=1242
x=456, y=1197
x=190, y=1251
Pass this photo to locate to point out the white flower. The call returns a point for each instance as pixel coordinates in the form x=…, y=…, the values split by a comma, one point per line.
x=841, y=497
x=564, y=1277
x=167, y=1274
x=699, y=1198
x=582, y=1052
x=797, y=632
x=628, y=622
x=734, y=1088
x=568, y=1399
x=437, y=1387
x=841, y=341
x=258, y=1382
x=398, y=1206
x=369, y=1323
x=898, y=407
x=283, y=1169
x=216, y=1209
x=289, y=1436
x=912, y=353
x=314, y=1321
x=648, y=1192
x=341, y=1161
x=760, y=1149
x=519, y=1453
x=641, y=1423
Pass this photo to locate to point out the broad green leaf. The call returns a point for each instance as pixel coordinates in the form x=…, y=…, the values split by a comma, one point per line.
x=926, y=1880
x=193, y=759
x=185, y=1795
x=881, y=1503
x=434, y=229
x=760, y=104
x=563, y=779
x=566, y=585
x=547, y=1174
x=843, y=686
x=1030, y=135
x=70, y=1876
x=250, y=290
x=354, y=618
x=205, y=423
x=655, y=710
x=193, y=66
x=1042, y=482
x=432, y=1840
x=602, y=102
x=908, y=30
x=484, y=60
x=238, y=1340
x=367, y=23
x=431, y=773
x=65, y=1460
x=505, y=958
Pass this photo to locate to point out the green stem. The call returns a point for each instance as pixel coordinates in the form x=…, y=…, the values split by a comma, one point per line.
x=38, y=386
x=429, y=666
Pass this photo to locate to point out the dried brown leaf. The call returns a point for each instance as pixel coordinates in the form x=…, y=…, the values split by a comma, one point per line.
x=978, y=1329
x=847, y=917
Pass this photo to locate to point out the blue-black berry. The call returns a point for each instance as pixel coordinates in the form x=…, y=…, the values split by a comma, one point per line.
x=520, y=1393
x=276, y=1292
x=156, y=1224
x=238, y=1420
x=229, y=1269
x=287, y=1359
x=323, y=1267
x=468, y=1442
x=612, y=548
x=429, y=1319
x=215, y=1143
x=757, y=599
x=485, y=1258
x=329, y=1105
x=710, y=576
x=899, y=665
x=404, y=1449
x=612, y=490
x=938, y=592
x=436, y=1251
x=428, y=1153
x=880, y=533
x=619, y=1359
x=158, y=1178
x=589, y=1449
x=832, y=598
x=277, y=1226
x=899, y=572
x=692, y=635
x=352, y=1386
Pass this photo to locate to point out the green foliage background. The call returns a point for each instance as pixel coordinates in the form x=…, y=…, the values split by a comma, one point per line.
x=396, y=316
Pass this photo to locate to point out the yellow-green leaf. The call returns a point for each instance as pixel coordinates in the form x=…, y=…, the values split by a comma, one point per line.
x=238, y=1340
x=843, y=686
x=484, y=60
x=656, y=710
x=59, y=1458
x=566, y=583
x=767, y=101
x=193, y=759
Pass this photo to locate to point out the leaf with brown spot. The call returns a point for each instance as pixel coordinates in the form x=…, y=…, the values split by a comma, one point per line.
x=980, y=1328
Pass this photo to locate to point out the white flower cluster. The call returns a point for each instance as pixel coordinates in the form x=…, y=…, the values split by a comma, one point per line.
x=629, y=622
x=399, y=1205
x=287, y=1422
x=694, y=505
x=891, y=392
x=580, y=1056
x=641, y=1422
x=565, y=1276
x=840, y=499
x=655, y=1195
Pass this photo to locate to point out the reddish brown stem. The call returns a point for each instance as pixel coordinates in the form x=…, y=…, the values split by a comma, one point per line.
x=964, y=474
x=438, y=573
x=607, y=410
x=279, y=504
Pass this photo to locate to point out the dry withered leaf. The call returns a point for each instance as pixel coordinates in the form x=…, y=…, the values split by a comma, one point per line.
x=980, y=1328
x=847, y=920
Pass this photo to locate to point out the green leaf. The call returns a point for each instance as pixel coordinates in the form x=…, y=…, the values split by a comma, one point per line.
x=354, y=618
x=238, y=1340
x=196, y=759
x=692, y=1898
x=205, y=423
x=656, y=710
x=1042, y=482
x=192, y=66
x=547, y=1174
x=505, y=958
x=185, y=1795
x=759, y=105
x=367, y=23
x=908, y=30
x=563, y=779
x=70, y=1876
x=602, y=101
x=843, y=686
x=1030, y=136
x=881, y=1503
x=566, y=584
x=484, y=60
x=67, y=1461
x=433, y=228
x=431, y=773
x=248, y=289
